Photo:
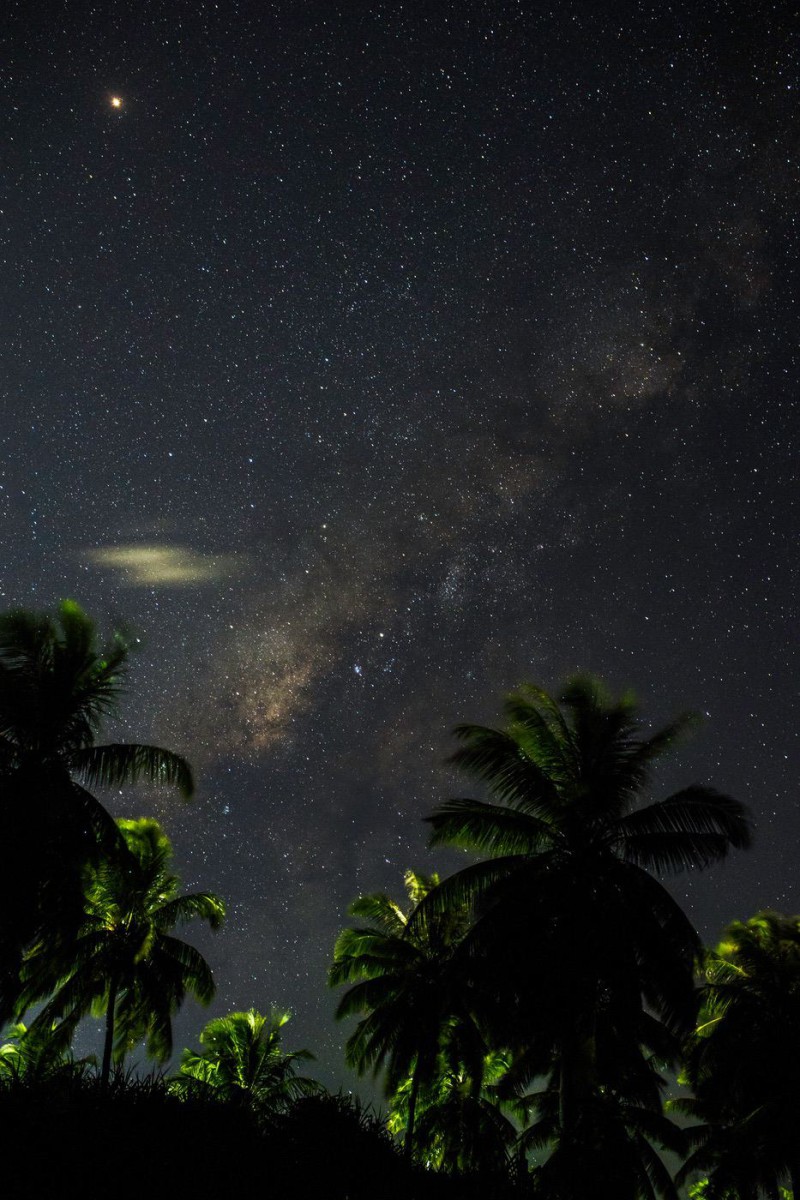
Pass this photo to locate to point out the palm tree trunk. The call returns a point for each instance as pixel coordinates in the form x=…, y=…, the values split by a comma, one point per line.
x=108, y=1045
x=577, y=1083
x=412, y=1108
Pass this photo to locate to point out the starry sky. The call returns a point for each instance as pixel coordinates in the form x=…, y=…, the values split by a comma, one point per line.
x=371, y=358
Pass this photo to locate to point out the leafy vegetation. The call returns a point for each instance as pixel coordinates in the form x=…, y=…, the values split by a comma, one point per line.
x=405, y=982
x=124, y=964
x=525, y=1013
x=57, y=688
x=241, y=1061
x=742, y=1060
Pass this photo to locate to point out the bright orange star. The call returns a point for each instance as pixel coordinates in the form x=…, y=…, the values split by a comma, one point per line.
x=116, y=102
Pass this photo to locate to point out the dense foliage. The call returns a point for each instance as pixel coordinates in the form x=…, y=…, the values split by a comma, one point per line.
x=242, y=1062
x=58, y=685
x=525, y=1013
x=124, y=963
x=742, y=1062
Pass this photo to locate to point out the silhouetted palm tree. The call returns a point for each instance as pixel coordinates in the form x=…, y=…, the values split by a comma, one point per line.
x=743, y=1061
x=572, y=935
x=57, y=686
x=242, y=1060
x=403, y=982
x=611, y=1153
x=125, y=965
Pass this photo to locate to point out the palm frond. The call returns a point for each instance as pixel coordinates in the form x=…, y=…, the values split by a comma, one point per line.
x=690, y=829
x=651, y=748
x=489, y=828
x=203, y=905
x=463, y=890
x=384, y=912
x=543, y=736
x=496, y=759
x=116, y=764
x=196, y=972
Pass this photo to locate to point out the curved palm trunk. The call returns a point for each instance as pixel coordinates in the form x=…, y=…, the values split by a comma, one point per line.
x=108, y=1045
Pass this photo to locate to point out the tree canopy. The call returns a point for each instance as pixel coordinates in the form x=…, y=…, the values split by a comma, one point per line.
x=58, y=687
x=125, y=964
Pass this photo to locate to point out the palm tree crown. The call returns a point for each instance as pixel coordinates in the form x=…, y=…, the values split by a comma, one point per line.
x=241, y=1058
x=125, y=964
x=566, y=888
x=582, y=960
x=57, y=686
x=403, y=982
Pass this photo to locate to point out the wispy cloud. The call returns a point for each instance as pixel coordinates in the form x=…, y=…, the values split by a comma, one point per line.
x=164, y=566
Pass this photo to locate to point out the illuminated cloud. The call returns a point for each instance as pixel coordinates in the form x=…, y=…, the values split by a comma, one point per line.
x=164, y=566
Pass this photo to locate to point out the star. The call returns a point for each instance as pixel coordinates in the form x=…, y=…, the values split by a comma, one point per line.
x=116, y=102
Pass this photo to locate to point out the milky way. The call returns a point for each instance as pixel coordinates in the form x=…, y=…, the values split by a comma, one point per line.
x=368, y=360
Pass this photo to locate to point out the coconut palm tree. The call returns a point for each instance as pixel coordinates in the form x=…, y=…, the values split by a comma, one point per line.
x=743, y=1060
x=57, y=687
x=460, y=1124
x=573, y=936
x=241, y=1060
x=403, y=982
x=125, y=965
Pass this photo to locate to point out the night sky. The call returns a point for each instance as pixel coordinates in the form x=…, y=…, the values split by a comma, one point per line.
x=371, y=358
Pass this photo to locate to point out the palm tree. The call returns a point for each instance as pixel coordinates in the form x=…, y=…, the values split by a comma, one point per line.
x=573, y=936
x=37, y=1054
x=616, y=1144
x=125, y=965
x=57, y=687
x=402, y=980
x=743, y=1060
x=241, y=1060
x=620, y=1127
x=460, y=1124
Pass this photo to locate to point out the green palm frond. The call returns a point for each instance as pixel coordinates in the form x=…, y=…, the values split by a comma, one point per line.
x=361, y=956
x=549, y=709
x=117, y=764
x=542, y=734
x=87, y=812
x=202, y=905
x=368, y=995
x=690, y=829
x=242, y=1057
x=125, y=949
x=462, y=891
x=418, y=885
x=58, y=685
x=659, y=1178
x=195, y=972
x=402, y=987
x=496, y=759
x=663, y=740
x=26, y=641
x=492, y=829
x=382, y=911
